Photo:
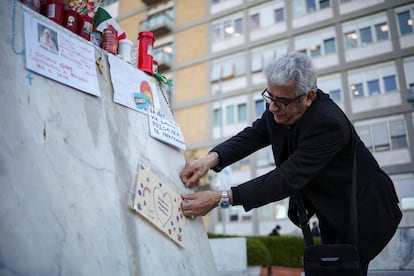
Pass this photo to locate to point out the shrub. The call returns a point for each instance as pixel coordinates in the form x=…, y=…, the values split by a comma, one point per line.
x=284, y=251
x=257, y=252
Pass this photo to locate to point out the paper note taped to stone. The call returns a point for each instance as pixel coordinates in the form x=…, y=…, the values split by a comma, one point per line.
x=159, y=204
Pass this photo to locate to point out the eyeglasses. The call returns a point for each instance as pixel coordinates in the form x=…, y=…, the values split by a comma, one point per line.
x=280, y=102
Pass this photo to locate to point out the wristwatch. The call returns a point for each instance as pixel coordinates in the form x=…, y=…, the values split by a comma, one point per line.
x=224, y=201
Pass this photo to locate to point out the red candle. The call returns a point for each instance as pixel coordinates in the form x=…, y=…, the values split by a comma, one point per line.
x=71, y=20
x=55, y=10
x=85, y=26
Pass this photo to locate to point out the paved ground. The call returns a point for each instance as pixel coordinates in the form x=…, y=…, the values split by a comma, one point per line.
x=391, y=273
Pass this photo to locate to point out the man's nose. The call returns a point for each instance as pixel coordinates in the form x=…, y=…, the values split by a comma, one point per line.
x=273, y=107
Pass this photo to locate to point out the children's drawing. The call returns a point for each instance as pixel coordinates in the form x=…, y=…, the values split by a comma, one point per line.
x=159, y=204
x=132, y=87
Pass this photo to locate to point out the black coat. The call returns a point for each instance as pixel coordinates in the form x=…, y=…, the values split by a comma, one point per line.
x=315, y=155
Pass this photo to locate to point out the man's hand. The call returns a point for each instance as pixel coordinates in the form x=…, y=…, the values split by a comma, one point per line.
x=199, y=204
x=196, y=169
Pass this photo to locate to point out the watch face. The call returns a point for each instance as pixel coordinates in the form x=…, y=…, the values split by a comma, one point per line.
x=224, y=203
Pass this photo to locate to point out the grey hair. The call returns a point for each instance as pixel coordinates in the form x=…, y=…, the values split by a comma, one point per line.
x=295, y=67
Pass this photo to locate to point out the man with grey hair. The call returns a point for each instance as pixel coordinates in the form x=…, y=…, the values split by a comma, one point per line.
x=312, y=142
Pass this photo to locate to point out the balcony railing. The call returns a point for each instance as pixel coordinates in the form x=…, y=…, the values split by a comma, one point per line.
x=151, y=2
x=164, y=60
x=158, y=24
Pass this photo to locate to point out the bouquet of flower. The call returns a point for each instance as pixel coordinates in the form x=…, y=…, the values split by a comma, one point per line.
x=84, y=6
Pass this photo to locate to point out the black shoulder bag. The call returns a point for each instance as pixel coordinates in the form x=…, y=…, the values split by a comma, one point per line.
x=331, y=259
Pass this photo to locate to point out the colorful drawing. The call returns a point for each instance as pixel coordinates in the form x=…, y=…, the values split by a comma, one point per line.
x=159, y=204
x=145, y=88
x=145, y=98
x=141, y=100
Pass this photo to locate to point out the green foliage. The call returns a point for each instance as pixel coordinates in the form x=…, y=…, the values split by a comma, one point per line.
x=257, y=252
x=284, y=251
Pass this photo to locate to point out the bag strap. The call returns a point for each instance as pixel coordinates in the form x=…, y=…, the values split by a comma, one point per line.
x=303, y=216
x=353, y=224
x=304, y=220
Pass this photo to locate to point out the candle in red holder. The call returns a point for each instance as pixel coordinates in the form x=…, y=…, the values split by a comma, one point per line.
x=85, y=26
x=71, y=20
x=145, y=47
x=55, y=10
x=109, y=40
x=43, y=7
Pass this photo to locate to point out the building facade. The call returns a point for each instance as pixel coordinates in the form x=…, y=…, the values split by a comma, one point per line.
x=214, y=52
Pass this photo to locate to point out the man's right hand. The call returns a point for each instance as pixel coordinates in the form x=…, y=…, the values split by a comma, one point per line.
x=196, y=169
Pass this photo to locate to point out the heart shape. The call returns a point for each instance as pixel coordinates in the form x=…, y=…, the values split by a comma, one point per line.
x=163, y=205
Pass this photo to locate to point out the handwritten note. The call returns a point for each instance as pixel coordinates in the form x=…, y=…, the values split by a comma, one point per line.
x=155, y=201
x=57, y=55
x=165, y=129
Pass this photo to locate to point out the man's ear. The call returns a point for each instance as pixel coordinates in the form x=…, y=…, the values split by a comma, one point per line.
x=309, y=98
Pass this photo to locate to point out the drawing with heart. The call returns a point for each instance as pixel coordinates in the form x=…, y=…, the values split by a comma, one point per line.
x=163, y=205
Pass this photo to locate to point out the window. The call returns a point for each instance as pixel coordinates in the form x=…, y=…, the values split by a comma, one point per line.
x=165, y=17
x=303, y=51
x=217, y=117
x=351, y=40
x=216, y=33
x=265, y=212
x=260, y=108
x=163, y=54
x=238, y=27
x=230, y=114
x=279, y=15
x=303, y=7
x=404, y=184
x=227, y=70
x=310, y=6
x=256, y=61
x=254, y=21
x=373, y=87
x=381, y=31
x=227, y=29
x=315, y=51
x=335, y=95
x=398, y=136
x=329, y=45
x=228, y=67
x=262, y=54
x=378, y=79
x=317, y=43
x=242, y=112
x=324, y=4
x=234, y=213
x=280, y=210
x=357, y=90
x=366, y=30
x=267, y=15
x=365, y=135
x=390, y=84
x=366, y=35
x=405, y=22
x=383, y=135
x=215, y=72
x=380, y=133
